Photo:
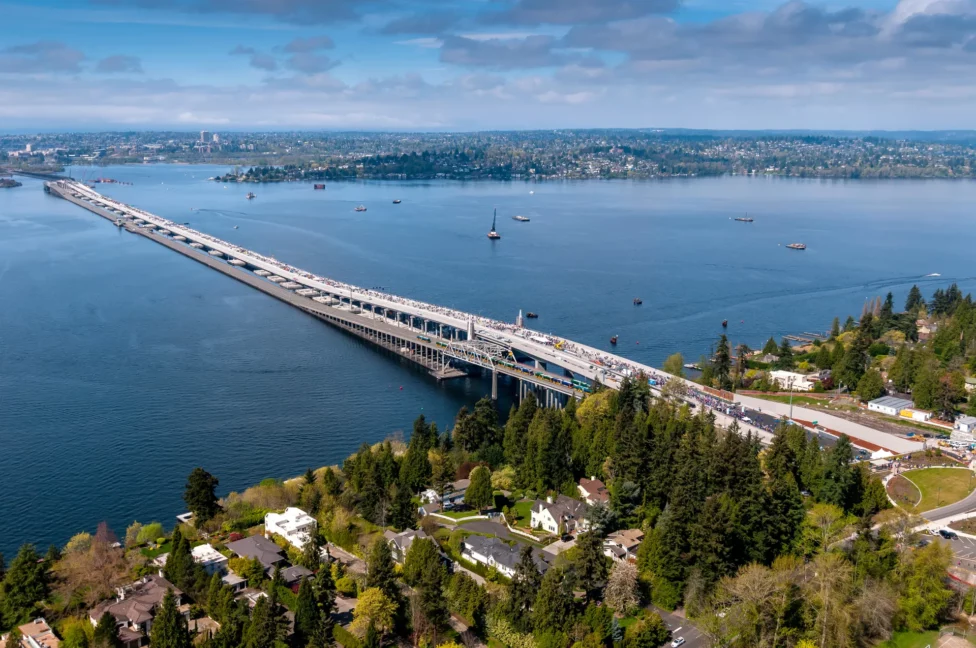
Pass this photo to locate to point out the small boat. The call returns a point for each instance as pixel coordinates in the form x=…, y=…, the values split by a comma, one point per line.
x=531, y=315
x=521, y=219
x=235, y=226
x=360, y=208
x=797, y=246
x=493, y=235
x=744, y=219
x=118, y=222
x=725, y=323
x=250, y=195
x=613, y=340
x=638, y=301
x=318, y=186
x=397, y=201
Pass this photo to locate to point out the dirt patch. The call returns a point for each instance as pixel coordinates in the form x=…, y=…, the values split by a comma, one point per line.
x=904, y=492
x=929, y=459
x=966, y=526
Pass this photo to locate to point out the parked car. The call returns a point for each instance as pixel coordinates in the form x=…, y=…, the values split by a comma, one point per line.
x=678, y=642
x=947, y=534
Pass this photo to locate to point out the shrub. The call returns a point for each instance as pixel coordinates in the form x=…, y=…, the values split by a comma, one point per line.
x=345, y=638
x=346, y=586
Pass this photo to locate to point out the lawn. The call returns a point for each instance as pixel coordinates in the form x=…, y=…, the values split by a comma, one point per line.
x=800, y=401
x=912, y=640
x=523, y=513
x=941, y=486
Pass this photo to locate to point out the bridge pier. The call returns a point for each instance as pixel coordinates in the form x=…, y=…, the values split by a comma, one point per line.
x=494, y=385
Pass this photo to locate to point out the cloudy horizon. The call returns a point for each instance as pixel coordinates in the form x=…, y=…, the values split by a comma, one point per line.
x=418, y=65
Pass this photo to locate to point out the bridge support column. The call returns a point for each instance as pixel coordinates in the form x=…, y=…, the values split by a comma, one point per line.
x=494, y=385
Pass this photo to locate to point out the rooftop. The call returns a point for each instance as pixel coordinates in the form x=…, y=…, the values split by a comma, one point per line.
x=256, y=546
x=892, y=401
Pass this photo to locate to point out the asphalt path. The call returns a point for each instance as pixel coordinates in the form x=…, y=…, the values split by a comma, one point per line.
x=680, y=627
x=965, y=505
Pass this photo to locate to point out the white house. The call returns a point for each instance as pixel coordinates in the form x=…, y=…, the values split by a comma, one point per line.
x=966, y=424
x=400, y=542
x=622, y=545
x=294, y=525
x=212, y=561
x=890, y=405
x=453, y=494
x=801, y=382
x=562, y=515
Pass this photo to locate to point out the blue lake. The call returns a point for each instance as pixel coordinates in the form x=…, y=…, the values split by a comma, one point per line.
x=123, y=365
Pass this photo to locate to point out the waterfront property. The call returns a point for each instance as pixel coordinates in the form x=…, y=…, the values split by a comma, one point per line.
x=35, y=634
x=260, y=548
x=135, y=607
x=212, y=561
x=294, y=525
x=453, y=495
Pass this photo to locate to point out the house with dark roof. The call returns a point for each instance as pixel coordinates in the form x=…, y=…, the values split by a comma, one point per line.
x=593, y=491
x=266, y=552
x=503, y=557
x=135, y=606
x=400, y=542
x=560, y=515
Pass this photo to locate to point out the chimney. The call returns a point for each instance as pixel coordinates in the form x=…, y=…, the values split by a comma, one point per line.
x=548, y=499
x=592, y=477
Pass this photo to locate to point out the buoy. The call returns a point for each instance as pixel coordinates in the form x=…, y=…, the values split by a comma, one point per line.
x=401, y=387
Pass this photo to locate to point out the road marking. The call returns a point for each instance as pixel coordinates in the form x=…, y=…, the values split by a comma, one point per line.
x=678, y=628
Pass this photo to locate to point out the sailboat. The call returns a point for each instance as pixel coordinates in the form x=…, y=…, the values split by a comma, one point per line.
x=493, y=234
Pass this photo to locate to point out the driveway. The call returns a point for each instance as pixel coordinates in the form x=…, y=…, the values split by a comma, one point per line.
x=680, y=627
x=491, y=528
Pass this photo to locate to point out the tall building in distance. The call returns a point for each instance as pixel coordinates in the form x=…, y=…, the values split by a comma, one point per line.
x=216, y=138
x=204, y=136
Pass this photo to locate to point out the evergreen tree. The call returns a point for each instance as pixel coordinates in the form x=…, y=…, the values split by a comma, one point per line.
x=723, y=363
x=822, y=360
x=330, y=482
x=835, y=328
x=914, y=301
x=380, y=569
x=849, y=323
x=264, y=630
x=306, y=614
x=553, y=607
x=179, y=564
x=839, y=477
x=24, y=586
x=430, y=585
x=403, y=513
x=309, y=477
x=479, y=494
x=712, y=539
x=887, y=311
x=784, y=516
x=591, y=565
x=106, y=635
x=785, y=353
x=311, y=557
x=517, y=432
x=422, y=552
x=372, y=638
x=200, y=495
x=522, y=591
x=169, y=627
x=871, y=385
x=770, y=348
x=415, y=469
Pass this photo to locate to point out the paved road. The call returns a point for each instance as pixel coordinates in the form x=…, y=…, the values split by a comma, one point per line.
x=680, y=627
x=963, y=550
x=896, y=444
x=965, y=505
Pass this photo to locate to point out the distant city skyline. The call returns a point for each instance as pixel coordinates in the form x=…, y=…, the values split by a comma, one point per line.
x=421, y=65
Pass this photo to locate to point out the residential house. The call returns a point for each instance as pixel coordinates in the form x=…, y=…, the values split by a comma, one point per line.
x=496, y=554
x=452, y=497
x=295, y=574
x=212, y=561
x=234, y=582
x=593, y=491
x=135, y=607
x=36, y=634
x=965, y=424
x=294, y=525
x=784, y=379
x=266, y=552
x=970, y=384
x=560, y=515
x=623, y=545
x=400, y=542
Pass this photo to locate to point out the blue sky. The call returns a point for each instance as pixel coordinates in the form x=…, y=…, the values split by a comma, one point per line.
x=486, y=64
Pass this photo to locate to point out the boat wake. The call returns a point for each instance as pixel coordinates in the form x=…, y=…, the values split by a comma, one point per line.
x=934, y=274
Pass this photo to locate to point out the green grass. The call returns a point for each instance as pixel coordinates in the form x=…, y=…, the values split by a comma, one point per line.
x=797, y=400
x=161, y=549
x=523, y=512
x=941, y=486
x=912, y=640
x=458, y=515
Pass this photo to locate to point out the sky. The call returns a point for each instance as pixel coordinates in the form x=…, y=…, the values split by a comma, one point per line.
x=462, y=65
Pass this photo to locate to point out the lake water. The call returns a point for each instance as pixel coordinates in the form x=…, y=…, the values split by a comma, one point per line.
x=123, y=365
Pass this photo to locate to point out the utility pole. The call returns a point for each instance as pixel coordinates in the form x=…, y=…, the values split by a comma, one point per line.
x=792, y=378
